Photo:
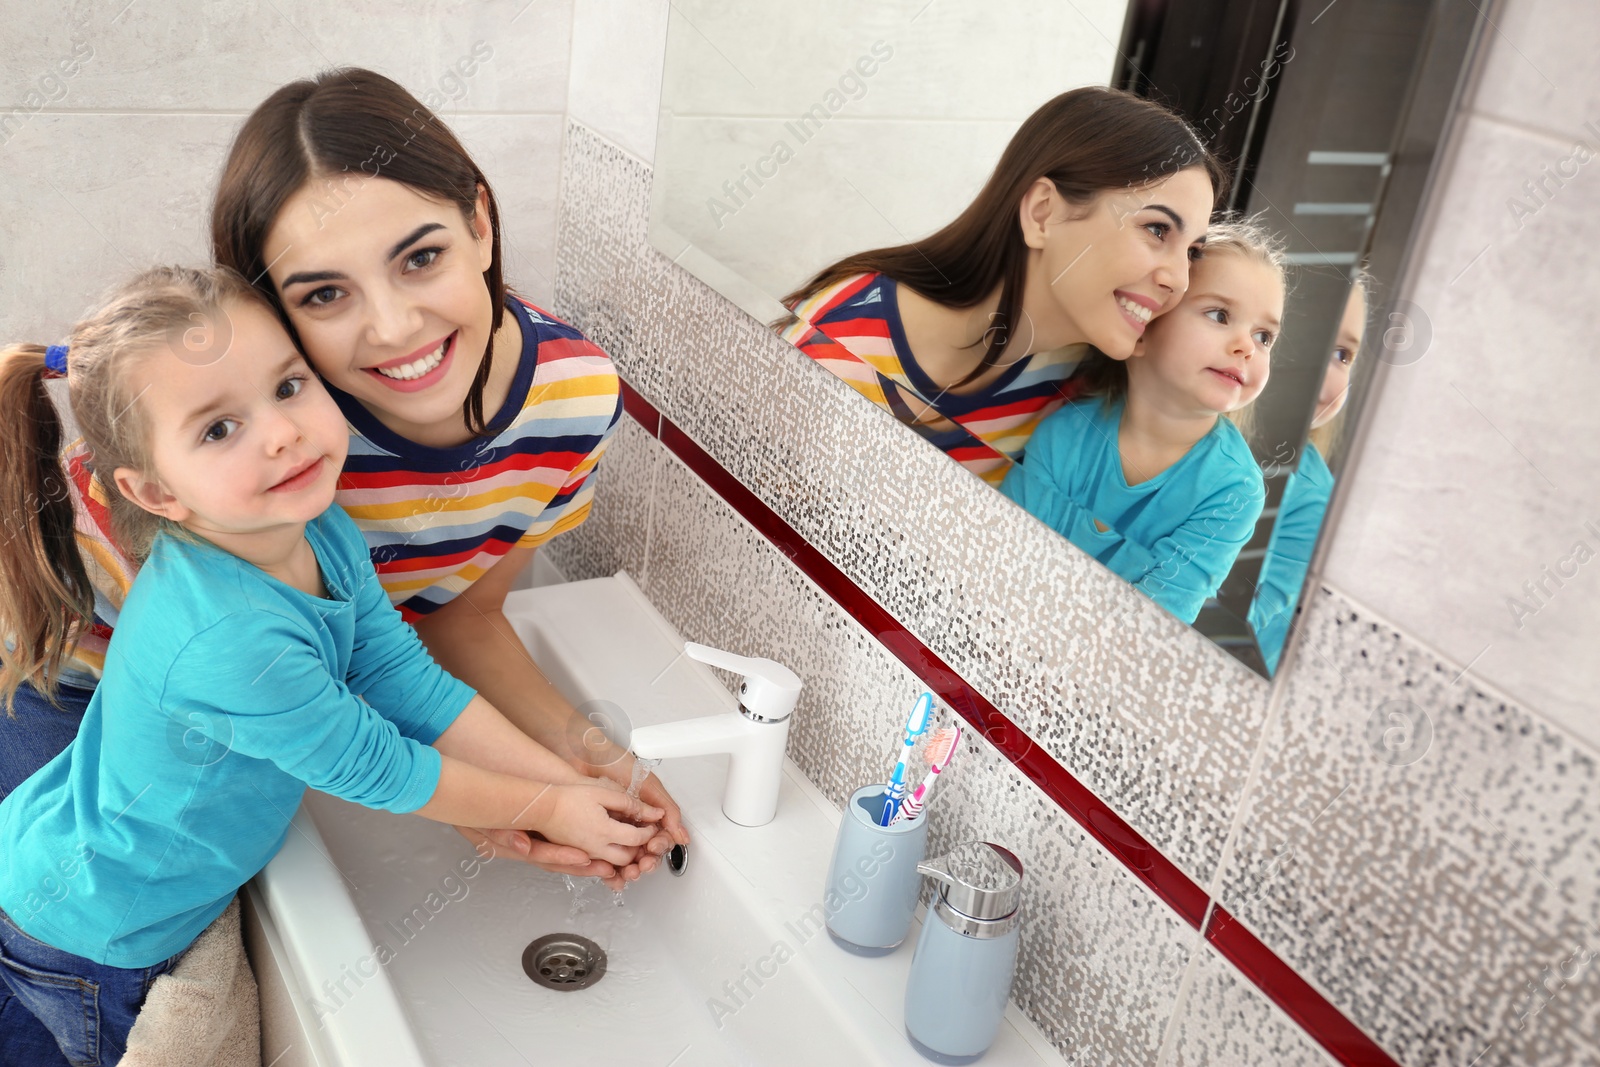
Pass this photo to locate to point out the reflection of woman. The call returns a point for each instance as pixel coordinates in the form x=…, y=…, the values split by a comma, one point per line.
x=1145, y=473
x=1306, y=493
x=1082, y=234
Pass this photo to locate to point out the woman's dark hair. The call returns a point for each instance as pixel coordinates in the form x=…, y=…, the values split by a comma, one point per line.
x=353, y=123
x=1085, y=141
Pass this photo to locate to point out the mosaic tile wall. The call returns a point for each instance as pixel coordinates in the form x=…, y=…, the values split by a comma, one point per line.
x=1228, y=1022
x=1425, y=852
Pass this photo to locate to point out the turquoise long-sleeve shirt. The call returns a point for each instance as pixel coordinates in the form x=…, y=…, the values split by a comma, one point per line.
x=1174, y=536
x=1294, y=536
x=225, y=694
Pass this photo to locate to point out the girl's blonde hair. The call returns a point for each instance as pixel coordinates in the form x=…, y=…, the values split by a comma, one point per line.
x=1247, y=237
x=46, y=599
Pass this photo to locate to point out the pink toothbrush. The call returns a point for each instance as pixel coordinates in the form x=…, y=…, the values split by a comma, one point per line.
x=941, y=747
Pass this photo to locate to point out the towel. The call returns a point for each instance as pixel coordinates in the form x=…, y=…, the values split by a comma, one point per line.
x=204, y=1012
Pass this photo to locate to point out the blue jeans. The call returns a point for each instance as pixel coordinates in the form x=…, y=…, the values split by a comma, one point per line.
x=38, y=732
x=57, y=1008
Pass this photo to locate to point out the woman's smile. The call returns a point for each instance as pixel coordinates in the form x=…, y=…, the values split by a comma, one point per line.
x=426, y=367
x=1137, y=309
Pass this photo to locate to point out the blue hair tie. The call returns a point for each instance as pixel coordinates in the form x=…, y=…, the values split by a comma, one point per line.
x=55, y=357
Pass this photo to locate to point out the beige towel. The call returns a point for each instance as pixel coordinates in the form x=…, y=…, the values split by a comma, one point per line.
x=204, y=1012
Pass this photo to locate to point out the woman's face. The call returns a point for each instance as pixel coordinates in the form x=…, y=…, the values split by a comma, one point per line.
x=385, y=288
x=1336, y=379
x=1125, y=260
x=1213, y=352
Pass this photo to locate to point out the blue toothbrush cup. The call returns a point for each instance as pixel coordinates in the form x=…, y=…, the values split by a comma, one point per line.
x=870, y=896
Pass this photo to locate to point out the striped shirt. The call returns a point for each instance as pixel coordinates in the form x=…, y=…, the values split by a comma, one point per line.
x=853, y=329
x=434, y=519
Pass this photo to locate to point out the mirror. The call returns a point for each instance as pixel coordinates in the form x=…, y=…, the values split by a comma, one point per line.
x=941, y=204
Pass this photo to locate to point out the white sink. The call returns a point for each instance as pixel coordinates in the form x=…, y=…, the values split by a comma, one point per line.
x=727, y=964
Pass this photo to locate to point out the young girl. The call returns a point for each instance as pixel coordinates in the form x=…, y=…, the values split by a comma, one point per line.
x=1080, y=237
x=254, y=656
x=1307, y=490
x=1145, y=474
x=478, y=419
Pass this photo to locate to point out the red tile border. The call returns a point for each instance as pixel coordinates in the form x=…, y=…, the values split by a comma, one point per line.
x=1317, y=1016
x=1275, y=978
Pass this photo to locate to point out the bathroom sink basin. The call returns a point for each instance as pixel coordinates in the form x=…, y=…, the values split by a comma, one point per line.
x=402, y=948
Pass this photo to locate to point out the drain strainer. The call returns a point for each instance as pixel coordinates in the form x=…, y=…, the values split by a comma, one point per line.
x=564, y=962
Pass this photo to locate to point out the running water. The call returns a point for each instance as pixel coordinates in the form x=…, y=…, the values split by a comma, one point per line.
x=580, y=890
x=641, y=770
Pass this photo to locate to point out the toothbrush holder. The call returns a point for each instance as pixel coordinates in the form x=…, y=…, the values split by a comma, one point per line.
x=871, y=893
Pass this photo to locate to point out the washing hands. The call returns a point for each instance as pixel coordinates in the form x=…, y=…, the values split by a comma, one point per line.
x=543, y=810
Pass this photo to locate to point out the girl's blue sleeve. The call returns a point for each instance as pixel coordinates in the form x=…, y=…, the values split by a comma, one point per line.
x=1188, y=565
x=1035, y=488
x=1037, y=482
x=258, y=685
x=389, y=665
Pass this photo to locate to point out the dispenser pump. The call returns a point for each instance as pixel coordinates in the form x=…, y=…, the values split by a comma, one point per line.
x=967, y=953
x=979, y=880
x=768, y=691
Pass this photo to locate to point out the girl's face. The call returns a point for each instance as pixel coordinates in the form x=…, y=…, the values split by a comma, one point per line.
x=385, y=287
x=243, y=438
x=1336, y=380
x=1109, y=271
x=1212, y=352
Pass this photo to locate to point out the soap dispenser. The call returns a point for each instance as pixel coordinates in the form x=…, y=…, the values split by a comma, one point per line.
x=961, y=973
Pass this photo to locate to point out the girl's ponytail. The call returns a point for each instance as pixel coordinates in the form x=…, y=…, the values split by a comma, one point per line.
x=45, y=596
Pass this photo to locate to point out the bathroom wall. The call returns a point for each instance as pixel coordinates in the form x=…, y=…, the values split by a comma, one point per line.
x=1405, y=824
x=115, y=118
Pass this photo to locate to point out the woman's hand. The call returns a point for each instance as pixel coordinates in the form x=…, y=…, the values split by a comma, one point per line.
x=531, y=848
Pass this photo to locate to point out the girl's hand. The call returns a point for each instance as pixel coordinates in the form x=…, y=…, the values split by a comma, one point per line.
x=651, y=792
x=589, y=816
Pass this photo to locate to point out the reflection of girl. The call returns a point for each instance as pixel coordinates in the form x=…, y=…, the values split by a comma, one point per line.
x=1082, y=235
x=1306, y=492
x=1144, y=474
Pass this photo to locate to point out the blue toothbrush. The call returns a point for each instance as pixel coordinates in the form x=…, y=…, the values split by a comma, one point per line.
x=916, y=722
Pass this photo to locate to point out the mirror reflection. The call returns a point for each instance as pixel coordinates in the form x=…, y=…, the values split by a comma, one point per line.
x=1149, y=471
x=1142, y=321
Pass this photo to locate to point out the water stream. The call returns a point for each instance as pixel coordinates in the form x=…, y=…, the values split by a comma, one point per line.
x=587, y=892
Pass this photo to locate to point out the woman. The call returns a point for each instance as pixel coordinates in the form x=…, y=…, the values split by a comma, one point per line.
x=1083, y=234
x=478, y=417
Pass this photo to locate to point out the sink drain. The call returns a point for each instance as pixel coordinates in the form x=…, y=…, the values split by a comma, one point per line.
x=564, y=962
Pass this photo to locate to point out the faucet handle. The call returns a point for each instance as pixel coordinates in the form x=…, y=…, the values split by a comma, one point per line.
x=767, y=691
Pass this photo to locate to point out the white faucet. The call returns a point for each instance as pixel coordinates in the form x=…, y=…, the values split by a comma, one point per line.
x=754, y=737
